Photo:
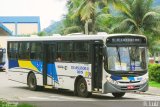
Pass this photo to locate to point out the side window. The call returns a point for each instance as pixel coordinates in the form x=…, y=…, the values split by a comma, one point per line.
x=64, y=51
x=51, y=52
x=80, y=52
x=13, y=50
x=36, y=51
x=24, y=50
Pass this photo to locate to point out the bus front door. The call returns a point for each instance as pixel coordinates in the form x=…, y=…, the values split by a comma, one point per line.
x=97, y=67
x=49, y=75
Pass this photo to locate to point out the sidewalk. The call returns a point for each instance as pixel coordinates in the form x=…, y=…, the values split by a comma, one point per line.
x=153, y=91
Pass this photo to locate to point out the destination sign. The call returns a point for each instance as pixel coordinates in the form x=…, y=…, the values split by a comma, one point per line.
x=126, y=40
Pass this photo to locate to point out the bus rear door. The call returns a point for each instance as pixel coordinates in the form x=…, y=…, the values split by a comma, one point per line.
x=49, y=74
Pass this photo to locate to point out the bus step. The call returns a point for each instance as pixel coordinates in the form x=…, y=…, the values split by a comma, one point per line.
x=97, y=91
x=48, y=86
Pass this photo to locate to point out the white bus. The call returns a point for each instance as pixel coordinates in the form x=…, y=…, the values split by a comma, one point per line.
x=111, y=63
x=3, y=44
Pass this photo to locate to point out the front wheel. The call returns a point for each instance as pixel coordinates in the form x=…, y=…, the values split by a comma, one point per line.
x=82, y=90
x=118, y=95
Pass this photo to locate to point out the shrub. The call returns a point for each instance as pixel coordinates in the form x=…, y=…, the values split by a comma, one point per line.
x=154, y=72
x=4, y=103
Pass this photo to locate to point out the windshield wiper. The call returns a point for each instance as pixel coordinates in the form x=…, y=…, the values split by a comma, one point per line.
x=119, y=56
x=130, y=58
x=135, y=54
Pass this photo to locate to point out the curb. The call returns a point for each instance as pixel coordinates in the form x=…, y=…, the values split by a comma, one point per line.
x=147, y=93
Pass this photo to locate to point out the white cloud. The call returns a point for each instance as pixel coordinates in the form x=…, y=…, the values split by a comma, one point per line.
x=47, y=9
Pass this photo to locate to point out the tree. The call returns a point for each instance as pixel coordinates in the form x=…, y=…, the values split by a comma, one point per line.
x=140, y=18
x=88, y=10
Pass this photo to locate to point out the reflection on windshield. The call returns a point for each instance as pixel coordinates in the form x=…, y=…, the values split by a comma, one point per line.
x=126, y=58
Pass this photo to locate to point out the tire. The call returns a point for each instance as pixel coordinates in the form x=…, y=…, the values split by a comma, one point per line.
x=81, y=88
x=32, y=82
x=118, y=95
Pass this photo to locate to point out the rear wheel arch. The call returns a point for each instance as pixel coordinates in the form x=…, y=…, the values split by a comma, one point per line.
x=75, y=84
x=81, y=88
x=32, y=81
x=28, y=75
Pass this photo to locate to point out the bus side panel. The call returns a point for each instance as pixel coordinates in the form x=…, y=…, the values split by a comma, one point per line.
x=65, y=82
x=18, y=75
x=39, y=78
x=19, y=70
x=67, y=73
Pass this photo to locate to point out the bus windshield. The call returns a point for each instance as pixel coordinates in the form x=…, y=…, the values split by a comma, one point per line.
x=131, y=58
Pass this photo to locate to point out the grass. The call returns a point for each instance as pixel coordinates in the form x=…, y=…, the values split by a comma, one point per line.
x=154, y=84
x=4, y=103
x=25, y=105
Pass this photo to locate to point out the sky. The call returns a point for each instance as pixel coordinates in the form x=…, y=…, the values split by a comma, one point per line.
x=48, y=10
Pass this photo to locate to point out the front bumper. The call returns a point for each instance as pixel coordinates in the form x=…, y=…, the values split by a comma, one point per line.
x=112, y=88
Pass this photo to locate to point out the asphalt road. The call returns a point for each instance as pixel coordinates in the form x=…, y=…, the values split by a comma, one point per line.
x=17, y=92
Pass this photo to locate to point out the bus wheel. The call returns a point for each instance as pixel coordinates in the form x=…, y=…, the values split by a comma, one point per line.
x=32, y=82
x=118, y=95
x=82, y=88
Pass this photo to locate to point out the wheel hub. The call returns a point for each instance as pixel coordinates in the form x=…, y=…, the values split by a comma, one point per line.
x=82, y=87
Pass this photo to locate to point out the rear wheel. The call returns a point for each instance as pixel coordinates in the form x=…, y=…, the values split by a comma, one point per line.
x=118, y=95
x=81, y=88
x=32, y=82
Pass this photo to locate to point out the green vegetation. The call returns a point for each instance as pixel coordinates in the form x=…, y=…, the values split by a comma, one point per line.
x=4, y=103
x=154, y=84
x=25, y=105
x=154, y=72
x=154, y=75
x=88, y=12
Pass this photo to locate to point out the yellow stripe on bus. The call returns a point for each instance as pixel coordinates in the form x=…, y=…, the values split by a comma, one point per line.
x=124, y=78
x=27, y=64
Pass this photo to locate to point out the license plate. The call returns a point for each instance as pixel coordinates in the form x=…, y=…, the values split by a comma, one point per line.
x=130, y=87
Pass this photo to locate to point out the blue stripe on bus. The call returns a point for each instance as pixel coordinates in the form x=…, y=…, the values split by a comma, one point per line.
x=38, y=65
x=116, y=77
x=13, y=63
x=131, y=78
x=120, y=78
x=51, y=71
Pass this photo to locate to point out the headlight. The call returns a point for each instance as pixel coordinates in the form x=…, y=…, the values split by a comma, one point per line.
x=144, y=80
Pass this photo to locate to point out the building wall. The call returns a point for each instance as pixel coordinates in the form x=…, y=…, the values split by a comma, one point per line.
x=3, y=41
x=21, y=25
x=27, y=28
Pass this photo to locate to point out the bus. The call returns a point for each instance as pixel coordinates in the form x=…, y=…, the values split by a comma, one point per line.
x=3, y=44
x=2, y=59
x=110, y=63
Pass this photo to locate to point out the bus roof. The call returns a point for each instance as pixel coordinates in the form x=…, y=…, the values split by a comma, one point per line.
x=70, y=37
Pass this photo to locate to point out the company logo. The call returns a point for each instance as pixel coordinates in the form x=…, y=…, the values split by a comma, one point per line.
x=62, y=67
